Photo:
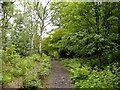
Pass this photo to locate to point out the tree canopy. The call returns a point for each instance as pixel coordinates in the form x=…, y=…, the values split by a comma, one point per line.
x=86, y=30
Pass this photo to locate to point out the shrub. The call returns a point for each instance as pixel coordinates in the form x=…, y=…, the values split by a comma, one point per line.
x=32, y=80
x=102, y=79
x=29, y=84
x=32, y=69
x=6, y=77
x=85, y=76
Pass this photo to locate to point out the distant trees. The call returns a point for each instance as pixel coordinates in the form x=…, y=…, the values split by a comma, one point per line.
x=23, y=25
x=6, y=14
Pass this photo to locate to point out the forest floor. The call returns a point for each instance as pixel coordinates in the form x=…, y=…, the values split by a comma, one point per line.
x=59, y=77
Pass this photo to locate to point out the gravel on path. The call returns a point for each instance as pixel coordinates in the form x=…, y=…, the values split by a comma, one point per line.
x=59, y=77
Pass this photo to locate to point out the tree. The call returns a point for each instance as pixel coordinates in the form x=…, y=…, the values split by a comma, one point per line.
x=90, y=30
x=7, y=10
x=43, y=13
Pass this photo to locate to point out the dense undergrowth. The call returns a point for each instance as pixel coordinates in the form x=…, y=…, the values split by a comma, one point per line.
x=84, y=75
x=23, y=72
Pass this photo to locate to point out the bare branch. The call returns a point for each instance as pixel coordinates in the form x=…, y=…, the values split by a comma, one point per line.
x=50, y=10
x=38, y=11
x=47, y=24
x=47, y=5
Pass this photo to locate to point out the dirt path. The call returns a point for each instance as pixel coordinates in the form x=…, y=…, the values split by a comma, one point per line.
x=58, y=77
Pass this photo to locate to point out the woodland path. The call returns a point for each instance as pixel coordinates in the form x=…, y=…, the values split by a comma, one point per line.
x=59, y=77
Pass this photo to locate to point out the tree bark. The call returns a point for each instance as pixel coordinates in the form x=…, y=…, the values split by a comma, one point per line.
x=40, y=45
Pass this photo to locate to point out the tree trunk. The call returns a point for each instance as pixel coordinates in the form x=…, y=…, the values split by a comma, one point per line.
x=40, y=44
x=4, y=27
x=32, y=44
x=98, y=32
x=119, y=29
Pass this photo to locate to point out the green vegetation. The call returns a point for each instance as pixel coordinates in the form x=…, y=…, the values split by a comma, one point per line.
x=85, y=76
x=86, y=40
x=89, y=30
x=30, y=71
x=22, y=26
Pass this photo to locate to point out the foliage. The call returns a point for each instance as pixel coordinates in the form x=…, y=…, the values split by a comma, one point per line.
x=11, y=53
x=50, y=45
x=33, y=69
x=84, y=76
x=88, y=30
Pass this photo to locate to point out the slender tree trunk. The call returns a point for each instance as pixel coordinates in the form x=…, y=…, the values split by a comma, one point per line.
x=119, y=29
x=98, y=32
x=40, y=47
x=32, y=36
x=105, y=19
x=4, y=26
x=40, y=44
x=32, y=43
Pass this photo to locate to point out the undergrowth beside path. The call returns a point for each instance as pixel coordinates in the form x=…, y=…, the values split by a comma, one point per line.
x=85, y=76
x=27, y=72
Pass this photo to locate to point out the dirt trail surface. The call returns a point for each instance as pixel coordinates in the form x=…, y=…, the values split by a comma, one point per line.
x=58, y=77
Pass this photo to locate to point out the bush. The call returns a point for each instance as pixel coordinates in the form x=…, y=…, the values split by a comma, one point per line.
x=102, y=79
x=6, y=77
x=85, y=76
x=32, y=69
x=32, y=80
x=29, y=84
